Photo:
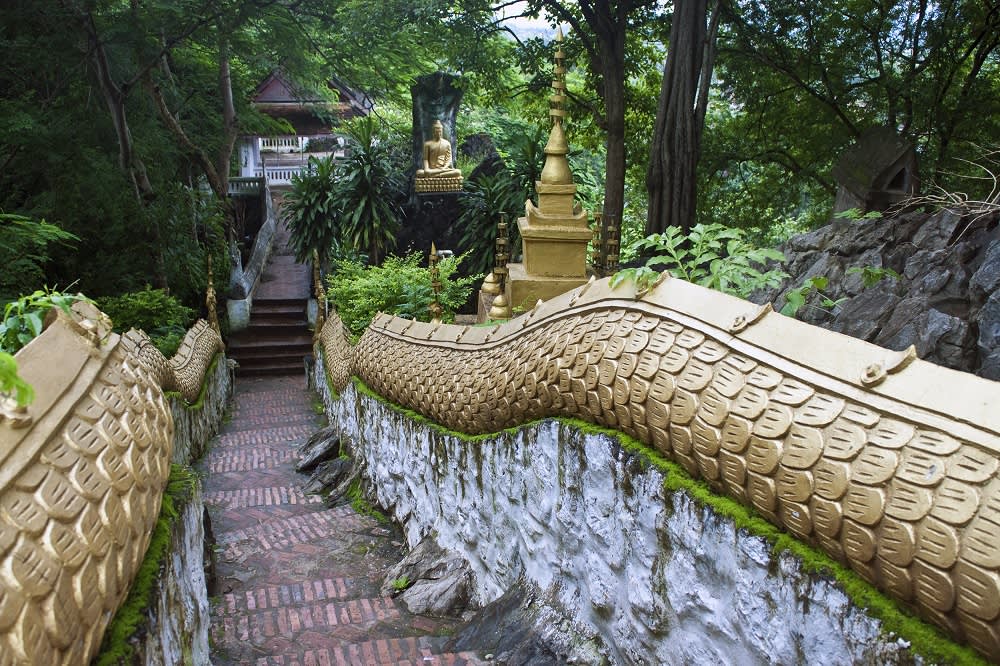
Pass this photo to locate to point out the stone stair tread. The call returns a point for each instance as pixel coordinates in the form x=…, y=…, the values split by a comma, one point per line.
x=388, y=651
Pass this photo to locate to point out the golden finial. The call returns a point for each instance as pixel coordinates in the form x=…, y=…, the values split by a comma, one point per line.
x=501, y=308
x=556, y=170
x=435, y=306
x=211, y=301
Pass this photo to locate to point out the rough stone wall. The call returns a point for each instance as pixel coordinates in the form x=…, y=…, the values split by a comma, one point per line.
x=644, y=576
x=176, y=626
x=194, y=427
x=946, y=301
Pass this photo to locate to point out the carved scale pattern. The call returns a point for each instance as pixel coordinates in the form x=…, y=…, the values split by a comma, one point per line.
x=911, y=507
x=188, y=366
x=76, y=520
x=336, y=345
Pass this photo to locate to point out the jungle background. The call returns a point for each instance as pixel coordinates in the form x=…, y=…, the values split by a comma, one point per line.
x=119, y=118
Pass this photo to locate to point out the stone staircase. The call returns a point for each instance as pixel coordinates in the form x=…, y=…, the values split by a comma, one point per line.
x=278, y=337
x=276, y=340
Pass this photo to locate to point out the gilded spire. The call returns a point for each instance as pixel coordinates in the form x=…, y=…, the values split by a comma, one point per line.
x=556, y=170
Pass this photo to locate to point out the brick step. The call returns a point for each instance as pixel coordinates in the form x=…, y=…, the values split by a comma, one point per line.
x=406, y=651
x=269, y=421
x=282, y=435
x=270, y=370
x=271, y=349
x=273, y=338
x=273, y=301
x=278, y=309
x=266, y=327
x=288, y=531
x=291, y=594
x=248, y=460
x=288, y=621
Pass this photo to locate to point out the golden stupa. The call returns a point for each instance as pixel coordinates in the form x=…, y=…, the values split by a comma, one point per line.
x=554, y=233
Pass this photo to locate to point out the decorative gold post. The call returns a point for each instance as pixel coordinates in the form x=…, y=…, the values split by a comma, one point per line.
x=435, y=306
x=320, y=298
x=611, y=252
x=555, y=232
x=598, y=254
x=211, y=302
x=501, y=305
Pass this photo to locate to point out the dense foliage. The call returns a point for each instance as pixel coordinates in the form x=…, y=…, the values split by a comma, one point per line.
x=711, y=255
x=400, y=286
x=161, y=316
x=353, y=204
x=24, y=252
x=118, y=116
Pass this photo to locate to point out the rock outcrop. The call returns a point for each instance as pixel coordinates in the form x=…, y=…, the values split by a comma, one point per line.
x=945, y=302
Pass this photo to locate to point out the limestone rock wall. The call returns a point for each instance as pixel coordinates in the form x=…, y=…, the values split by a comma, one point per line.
x=641, y=575
x=946, y=301
x=175, y=630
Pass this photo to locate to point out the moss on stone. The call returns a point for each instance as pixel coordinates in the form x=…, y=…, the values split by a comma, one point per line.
x=356, y=496
x=925, y=639
x=120, y=637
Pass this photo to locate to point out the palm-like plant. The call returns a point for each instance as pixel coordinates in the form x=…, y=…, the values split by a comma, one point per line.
x=354, y=203
x=309, y=210
x=368, y=191
x=483, y=200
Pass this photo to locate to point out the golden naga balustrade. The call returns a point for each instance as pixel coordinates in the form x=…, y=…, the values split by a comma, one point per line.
x=887, y=463
x=81, y=480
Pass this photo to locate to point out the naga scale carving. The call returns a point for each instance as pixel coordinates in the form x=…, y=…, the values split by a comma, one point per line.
x=888, y=464
x=81, y=482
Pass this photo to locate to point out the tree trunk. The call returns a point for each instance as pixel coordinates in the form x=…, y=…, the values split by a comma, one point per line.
x=130, y=163
x=671, y=179
x=613, y=75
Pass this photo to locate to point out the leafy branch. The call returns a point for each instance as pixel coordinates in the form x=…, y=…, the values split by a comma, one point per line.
x=712, y=255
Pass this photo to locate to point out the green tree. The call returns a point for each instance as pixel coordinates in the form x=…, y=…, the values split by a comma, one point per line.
x=25, y=251
x=368, y=191
x=680, y=118
x=803, y=80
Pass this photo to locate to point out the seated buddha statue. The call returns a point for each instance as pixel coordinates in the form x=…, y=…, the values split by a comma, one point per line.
x=438, y=174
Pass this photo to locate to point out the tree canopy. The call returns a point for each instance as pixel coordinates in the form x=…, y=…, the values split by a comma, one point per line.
x=117, y=113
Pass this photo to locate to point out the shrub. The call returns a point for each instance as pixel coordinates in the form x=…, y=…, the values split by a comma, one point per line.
x=400, y=286
x=711, y=255
x=24, y=251
x=160, y=315
x=482, y=202
x=24, y=317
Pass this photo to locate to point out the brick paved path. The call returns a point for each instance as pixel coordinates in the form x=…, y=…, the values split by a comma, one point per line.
x=299, y=580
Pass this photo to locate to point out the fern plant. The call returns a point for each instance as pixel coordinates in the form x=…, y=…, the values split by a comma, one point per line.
x=712, y=255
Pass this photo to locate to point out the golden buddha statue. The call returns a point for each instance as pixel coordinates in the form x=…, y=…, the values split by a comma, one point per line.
x=438, y=174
